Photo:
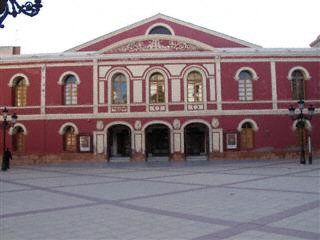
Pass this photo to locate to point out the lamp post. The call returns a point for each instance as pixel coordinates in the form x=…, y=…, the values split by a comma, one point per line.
x=6, y=124
x=301, y=124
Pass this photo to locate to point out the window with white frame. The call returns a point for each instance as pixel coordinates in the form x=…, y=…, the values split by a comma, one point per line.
x=245, y=85
x=194, y=87
x=70, y=90
x=298, y=85
x=20, y=92
x=119, y=89
x=157, y=88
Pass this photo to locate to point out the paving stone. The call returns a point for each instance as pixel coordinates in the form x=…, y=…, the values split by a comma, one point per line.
x=247, y=200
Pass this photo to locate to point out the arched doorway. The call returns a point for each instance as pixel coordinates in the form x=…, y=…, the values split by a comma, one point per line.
x=196, y=139
x=246, y=136
x=18, y=140
x=119, y=142
x=157, y=138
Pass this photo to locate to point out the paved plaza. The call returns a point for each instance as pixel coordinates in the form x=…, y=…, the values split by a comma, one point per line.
x=258, y=200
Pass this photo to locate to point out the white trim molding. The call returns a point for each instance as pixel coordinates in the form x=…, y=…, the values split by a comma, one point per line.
x=14, y=77
x=63, y=75
x=62, y=128
x=304, y=70
x=307, y=122
x=253, y=123
x=12, y=129
x=251, y=70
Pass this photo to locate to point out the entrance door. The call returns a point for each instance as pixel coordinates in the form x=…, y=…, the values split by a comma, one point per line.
x=157, y=140
x=196, y=139
x=119, y=141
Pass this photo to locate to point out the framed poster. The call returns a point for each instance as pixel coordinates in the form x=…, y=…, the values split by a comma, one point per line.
x=85, y=143
x=232, y=140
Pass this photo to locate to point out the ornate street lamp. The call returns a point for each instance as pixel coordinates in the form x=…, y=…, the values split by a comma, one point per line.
x=6, y=124
x=13, y=8
x=301, y=124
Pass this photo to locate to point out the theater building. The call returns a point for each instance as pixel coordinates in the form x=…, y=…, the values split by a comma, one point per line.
x=159, y=89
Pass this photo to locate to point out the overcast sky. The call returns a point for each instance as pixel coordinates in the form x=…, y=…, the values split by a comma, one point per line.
x=63, y=24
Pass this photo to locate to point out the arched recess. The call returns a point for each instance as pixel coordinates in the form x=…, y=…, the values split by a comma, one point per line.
x=65, y=125
x=147, y=77
x=308, y=125
x=12, y=129
x=252, y=122
x=304, y=71
x=251, y=70
x=119, y=139
x=197, y=140
x=157, y=138
x=160, y=25
x=18, y=76
x=65, y=74
x=204, y=75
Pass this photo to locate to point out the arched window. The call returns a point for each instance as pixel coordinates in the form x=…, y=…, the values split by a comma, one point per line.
x=160, y=30
x=20, y=92
x=246, y=136
x=298, y=85
x=245, y=85
x=194, y=87
x=119, y=89
x=156, y=88
x=70, y=139
x=18, y=139
x=70, y=90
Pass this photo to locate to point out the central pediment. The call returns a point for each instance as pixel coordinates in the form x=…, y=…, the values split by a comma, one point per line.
x=156, y=44
x=161, y=33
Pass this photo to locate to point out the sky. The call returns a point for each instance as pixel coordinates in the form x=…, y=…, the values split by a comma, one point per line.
x=64, y=24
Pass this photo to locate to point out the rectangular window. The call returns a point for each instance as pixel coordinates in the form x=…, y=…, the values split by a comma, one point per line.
x=245, y=90
x=21, y=95
x=71, y=93
x=298, y=89
x=194, y=91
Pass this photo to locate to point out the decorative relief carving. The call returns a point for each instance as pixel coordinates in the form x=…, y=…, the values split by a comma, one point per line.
x=99, y=125
x=137, y=125
x=156, y=46
x=157, y=108
x=195, y=107
x=176, y=124
x=215, y=122
x=119, y=108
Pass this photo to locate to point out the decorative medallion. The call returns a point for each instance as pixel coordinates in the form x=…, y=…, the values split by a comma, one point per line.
x=99, y=125
x=137, y=125
x=176, y=124
x=215, y=122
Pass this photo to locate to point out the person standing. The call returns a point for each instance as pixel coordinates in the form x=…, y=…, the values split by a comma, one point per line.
x=7, y=156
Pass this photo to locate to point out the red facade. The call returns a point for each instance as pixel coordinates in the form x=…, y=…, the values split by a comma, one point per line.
x=235, y=106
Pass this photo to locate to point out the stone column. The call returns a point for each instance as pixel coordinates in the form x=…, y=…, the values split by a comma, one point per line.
x=217, y=144
x=177, y=153
x=138, y=153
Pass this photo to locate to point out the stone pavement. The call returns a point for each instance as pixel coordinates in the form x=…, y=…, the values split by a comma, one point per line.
x=275, y=199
